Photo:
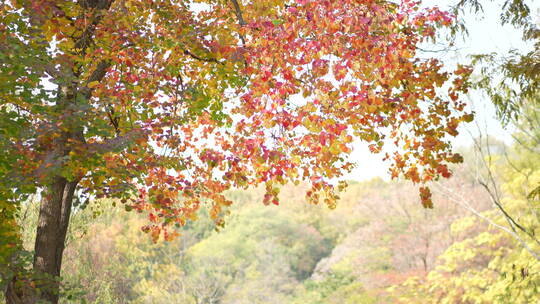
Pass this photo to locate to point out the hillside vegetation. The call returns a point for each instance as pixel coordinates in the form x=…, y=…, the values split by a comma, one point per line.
x=378, y=246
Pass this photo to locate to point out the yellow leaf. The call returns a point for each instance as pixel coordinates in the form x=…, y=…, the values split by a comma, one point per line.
x=92, y=84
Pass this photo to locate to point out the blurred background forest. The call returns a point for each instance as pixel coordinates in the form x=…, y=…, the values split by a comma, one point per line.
x=378, y=246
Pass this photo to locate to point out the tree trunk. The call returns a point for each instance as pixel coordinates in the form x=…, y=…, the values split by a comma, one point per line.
x=52, y=227
x=51, y=235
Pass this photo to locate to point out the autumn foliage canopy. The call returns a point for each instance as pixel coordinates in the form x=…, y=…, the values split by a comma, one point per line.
x=167, y=104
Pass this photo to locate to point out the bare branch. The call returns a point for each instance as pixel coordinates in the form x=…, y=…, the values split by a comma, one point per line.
x=240, y=18
x=465, y=204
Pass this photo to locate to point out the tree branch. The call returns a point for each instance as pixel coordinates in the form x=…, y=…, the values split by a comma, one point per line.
x=240, y=18
x=190, y=54
x=463, y=202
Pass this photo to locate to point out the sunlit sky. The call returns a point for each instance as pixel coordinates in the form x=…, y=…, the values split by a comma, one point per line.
x=486, y=35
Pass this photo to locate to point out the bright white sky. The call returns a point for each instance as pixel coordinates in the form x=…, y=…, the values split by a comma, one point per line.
x=486, y=35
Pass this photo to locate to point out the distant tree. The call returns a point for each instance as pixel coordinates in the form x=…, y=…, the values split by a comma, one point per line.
x=511, y=77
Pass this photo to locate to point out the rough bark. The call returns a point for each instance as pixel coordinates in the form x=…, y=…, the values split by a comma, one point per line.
x=51, y=234
x=52, y=228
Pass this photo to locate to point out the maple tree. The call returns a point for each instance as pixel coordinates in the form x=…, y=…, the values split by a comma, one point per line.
x=165, y=105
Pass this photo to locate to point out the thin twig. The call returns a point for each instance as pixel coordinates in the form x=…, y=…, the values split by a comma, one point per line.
x=465, y=204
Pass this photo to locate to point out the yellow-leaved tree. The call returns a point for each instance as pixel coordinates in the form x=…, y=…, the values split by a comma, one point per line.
x=498, y=260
